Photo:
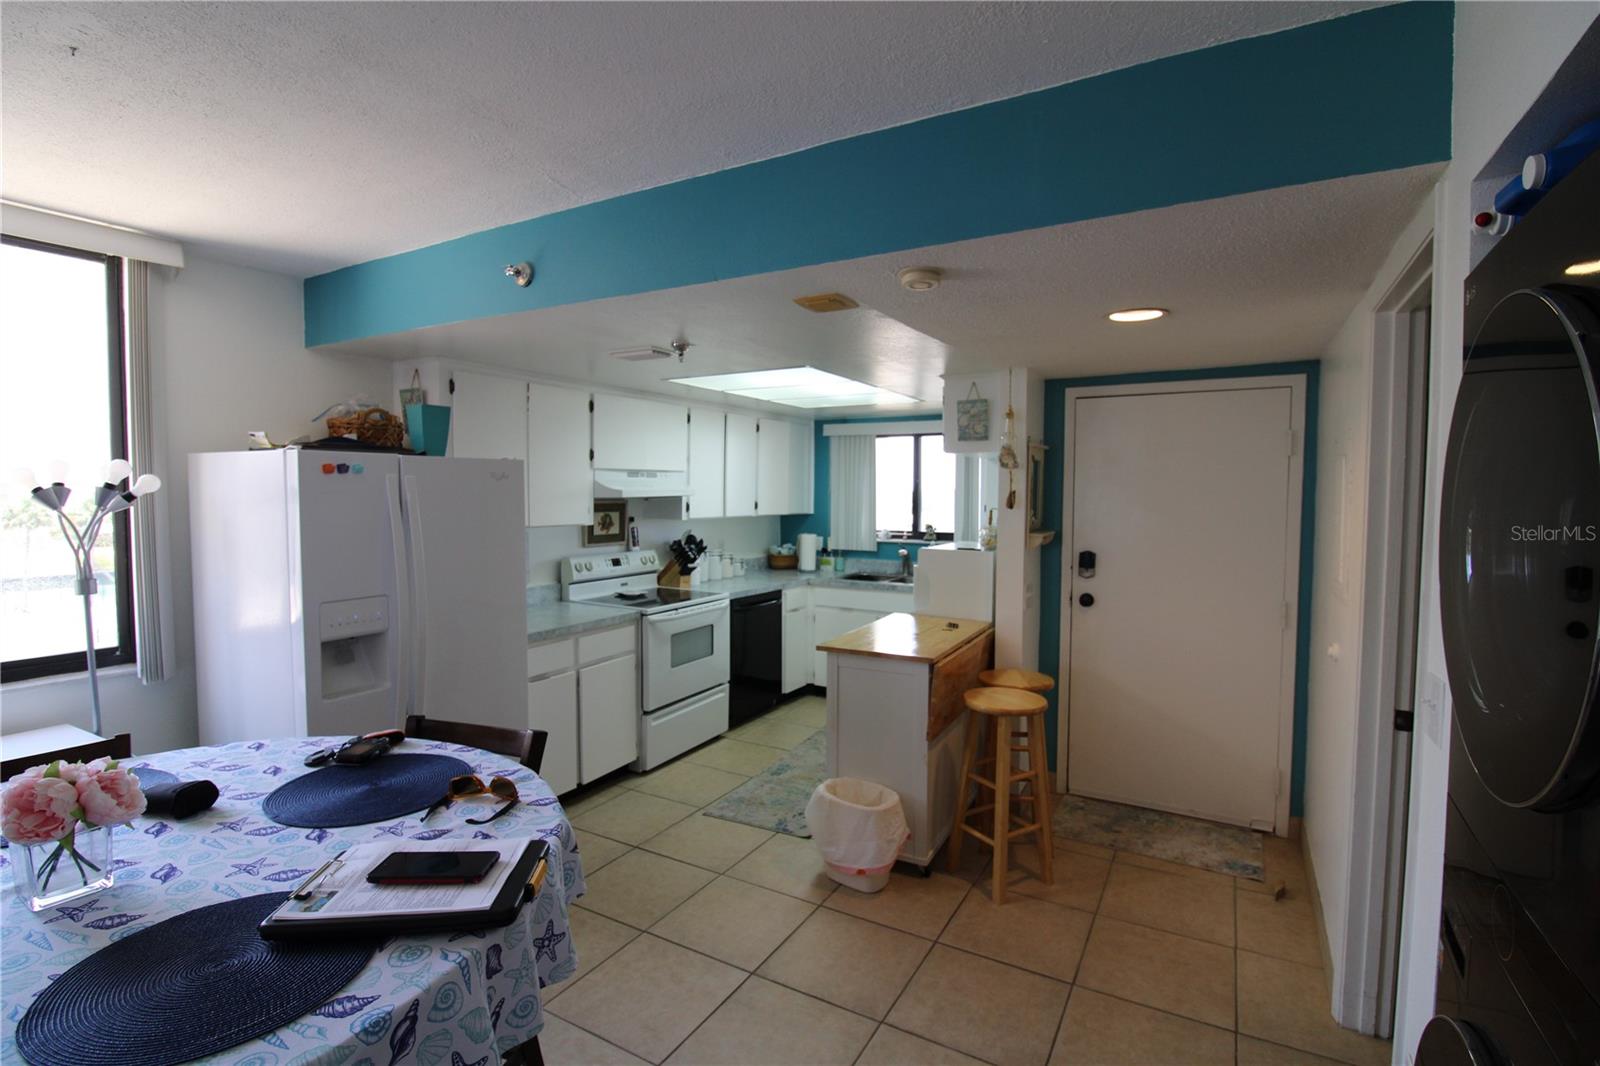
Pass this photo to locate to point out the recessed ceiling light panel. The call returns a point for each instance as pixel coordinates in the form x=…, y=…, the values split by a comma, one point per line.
x=1137, y=314
x=797, y=386
x=1584, y=269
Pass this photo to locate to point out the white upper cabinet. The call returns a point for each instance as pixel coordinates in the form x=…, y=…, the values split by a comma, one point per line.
x=739, y=489
x=489, y=417
x=706, y=431
x=783, y=462
x=634, y=434
x=772, y=467
x=560, y=477
x=802, y=446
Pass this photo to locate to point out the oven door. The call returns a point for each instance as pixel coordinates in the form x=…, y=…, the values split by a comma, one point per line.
x=685, y=651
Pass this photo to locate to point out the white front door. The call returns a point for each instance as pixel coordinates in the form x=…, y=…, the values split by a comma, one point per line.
x=1179, y=665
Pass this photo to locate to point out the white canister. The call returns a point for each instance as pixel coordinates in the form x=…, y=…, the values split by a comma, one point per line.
x=727, y=566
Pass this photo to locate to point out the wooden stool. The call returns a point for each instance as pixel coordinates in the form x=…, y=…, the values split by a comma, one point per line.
x=1026, y=680
x=991, y=707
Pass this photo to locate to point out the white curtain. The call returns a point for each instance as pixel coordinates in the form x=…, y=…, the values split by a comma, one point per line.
x=969, y=496
x=150, y=651
x=853, y=493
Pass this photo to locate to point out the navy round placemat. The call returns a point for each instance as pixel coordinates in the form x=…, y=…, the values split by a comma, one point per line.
x=149, y=776
x=387, y=787
x=193, y=985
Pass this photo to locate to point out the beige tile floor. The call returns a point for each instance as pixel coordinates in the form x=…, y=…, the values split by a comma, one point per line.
x=706, y=941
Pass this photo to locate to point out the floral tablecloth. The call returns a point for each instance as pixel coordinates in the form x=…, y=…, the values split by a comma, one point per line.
x=451, y=999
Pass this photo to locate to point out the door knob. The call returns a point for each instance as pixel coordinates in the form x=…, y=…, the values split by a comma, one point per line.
x=1086, y=600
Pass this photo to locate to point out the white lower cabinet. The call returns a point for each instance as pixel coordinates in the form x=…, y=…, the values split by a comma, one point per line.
x=553, y=707
x=584, y=692
x=608, y=712
x=836, y=611
x=798, y=647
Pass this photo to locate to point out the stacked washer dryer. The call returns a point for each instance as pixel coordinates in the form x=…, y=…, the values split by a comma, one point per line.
x=1519, y=960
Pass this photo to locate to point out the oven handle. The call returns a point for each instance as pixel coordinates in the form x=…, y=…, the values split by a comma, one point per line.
x=686, y=612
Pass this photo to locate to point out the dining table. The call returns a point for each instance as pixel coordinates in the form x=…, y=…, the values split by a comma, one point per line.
x=442, y=998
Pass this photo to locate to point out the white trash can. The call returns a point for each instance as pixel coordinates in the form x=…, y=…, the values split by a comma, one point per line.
x=859, y=828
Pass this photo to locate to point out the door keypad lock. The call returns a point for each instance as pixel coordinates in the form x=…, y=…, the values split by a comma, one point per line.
x=1086, y=564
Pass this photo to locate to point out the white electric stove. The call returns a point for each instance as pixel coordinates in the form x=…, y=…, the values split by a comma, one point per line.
x=684, y=637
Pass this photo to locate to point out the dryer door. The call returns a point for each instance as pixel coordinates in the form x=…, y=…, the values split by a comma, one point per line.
x=1519, y=554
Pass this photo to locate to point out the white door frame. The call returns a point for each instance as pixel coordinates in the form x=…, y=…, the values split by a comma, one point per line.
x=1296, y=383
x=1364, y=998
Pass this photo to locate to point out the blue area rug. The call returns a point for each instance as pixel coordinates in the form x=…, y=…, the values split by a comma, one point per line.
x=776, y=798
x=1225, y=849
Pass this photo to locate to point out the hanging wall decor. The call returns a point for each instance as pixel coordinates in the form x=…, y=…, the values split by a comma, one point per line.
x=972, y=416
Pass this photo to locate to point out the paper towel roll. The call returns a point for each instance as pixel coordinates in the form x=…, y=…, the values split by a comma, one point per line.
x=808, y=543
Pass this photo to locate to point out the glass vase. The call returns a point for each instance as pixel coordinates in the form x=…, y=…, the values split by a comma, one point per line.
x=72, y=868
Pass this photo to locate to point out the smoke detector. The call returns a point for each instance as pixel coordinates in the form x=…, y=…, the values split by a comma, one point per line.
x=920, y=279
x=824, y=302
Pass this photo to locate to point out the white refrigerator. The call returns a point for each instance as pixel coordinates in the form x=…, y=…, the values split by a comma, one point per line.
x=336, y=592
x=954, y=582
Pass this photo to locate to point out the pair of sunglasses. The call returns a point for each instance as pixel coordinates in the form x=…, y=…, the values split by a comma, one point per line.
x=468, y=785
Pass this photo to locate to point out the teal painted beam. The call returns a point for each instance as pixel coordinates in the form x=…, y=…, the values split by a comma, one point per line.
x=1050, y=560
x=1354, y=95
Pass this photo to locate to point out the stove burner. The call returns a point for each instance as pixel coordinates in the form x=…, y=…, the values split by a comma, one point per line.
x=632, y=597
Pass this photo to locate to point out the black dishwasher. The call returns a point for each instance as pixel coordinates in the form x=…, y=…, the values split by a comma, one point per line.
x=756, y=653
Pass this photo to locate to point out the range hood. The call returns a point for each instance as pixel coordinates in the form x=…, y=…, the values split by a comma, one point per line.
x=632, y=484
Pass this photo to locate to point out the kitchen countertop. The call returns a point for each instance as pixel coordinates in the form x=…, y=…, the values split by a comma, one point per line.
x=552, y=621
x=776, y=580
x=923, y=638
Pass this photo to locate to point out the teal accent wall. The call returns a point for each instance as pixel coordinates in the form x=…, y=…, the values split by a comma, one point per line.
x=1354, y=95
x=1051, y=562
x=818, y=521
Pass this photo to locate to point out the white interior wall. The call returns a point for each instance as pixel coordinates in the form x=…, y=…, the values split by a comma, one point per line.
x=1338, y=598
x=548, y=545
x=226, y=357
x=1505, y=54
x=1016, y=582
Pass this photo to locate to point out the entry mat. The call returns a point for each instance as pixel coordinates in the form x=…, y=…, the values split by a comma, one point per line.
x=776, y=798
x=1226, y=849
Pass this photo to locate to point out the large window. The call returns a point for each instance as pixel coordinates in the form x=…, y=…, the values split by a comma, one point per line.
x=916, y=481
x=61, y=399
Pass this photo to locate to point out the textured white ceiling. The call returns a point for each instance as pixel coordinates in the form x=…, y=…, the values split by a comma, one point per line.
x=306, y=136
x=1258, y=278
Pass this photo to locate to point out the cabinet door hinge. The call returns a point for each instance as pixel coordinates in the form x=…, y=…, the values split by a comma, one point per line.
x=591, y=455
x=688, y=416
x=452, y=386
x=591, y=406
x=758, y=426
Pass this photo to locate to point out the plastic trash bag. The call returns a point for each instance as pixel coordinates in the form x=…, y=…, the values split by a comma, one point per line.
x=859, y=827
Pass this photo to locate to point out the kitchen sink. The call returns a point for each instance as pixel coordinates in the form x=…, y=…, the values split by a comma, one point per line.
x=880, y=579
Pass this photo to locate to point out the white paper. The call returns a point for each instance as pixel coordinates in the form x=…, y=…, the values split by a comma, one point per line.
x=344, y=892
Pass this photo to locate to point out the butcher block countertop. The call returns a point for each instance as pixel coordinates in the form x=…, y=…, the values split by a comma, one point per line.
x=922, y=638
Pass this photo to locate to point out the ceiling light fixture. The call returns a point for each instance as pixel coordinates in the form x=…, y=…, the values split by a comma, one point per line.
x=1583, y=269
x=921, y=279
x=521, y=273
x=797, y=386
x=1137, y=314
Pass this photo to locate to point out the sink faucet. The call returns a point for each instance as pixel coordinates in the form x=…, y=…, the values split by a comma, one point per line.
x=905, y=564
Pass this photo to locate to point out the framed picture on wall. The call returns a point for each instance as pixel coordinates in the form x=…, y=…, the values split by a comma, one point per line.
x=610, y=524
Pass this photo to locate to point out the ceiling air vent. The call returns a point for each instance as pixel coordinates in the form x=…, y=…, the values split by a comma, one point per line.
x=824, y=302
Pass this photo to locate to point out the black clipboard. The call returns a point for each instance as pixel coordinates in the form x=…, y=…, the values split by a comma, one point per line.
x=527, y=874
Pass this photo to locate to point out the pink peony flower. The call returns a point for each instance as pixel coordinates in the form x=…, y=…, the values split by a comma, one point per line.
x=37, y=809
x=108, y=794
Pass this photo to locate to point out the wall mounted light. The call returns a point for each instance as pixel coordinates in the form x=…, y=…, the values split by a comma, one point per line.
x=521, y=273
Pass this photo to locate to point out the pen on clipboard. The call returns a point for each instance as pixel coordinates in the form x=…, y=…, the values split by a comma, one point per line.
x=304, y=891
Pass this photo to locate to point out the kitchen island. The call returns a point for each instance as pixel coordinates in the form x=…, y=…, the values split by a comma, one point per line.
x=896, y=714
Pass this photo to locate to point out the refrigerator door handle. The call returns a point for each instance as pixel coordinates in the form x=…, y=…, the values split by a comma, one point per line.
x=419, y=598
x=402, y=596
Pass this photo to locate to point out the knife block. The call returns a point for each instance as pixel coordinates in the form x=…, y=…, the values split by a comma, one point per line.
x=670, y=577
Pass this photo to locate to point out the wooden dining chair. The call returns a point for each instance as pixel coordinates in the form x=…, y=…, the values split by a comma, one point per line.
x=524, y=745
x=117, y=747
